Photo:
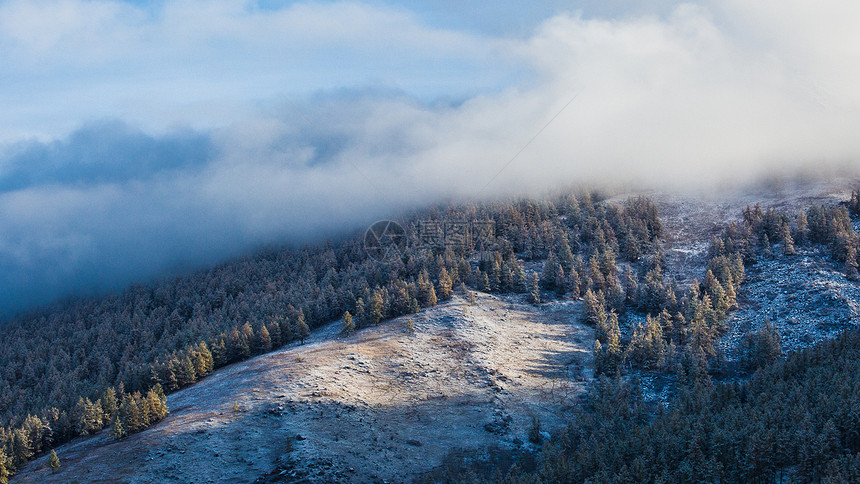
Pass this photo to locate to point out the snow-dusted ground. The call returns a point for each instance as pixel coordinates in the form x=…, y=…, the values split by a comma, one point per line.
x=380, y=404
x=806, y=297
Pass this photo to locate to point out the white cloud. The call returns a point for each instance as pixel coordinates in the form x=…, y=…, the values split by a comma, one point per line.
x=708, y=93
x=193, y=62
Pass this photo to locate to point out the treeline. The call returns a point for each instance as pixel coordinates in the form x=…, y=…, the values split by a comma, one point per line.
x=675, y=329
x=795, y=420
x=170, y=334
x=768, y=233
x=682, y=329
x=622, y=283
x=125, y=413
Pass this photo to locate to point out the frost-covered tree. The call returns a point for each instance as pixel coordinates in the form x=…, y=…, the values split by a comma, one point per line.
x=534, y=293
x=445, y=285
x=54, y=461
x=348, y=324
x=303, y=330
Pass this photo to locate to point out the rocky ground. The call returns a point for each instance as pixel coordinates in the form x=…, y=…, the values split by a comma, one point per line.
x=381, y=405
x=806, y=297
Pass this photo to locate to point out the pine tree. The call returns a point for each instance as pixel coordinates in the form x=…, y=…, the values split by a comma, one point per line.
x=425, y=290
x=156, y=405
x=264, y=340
x=720, y=300
x=89, y=416
x=160, y=392
x=360, y=313
x=608, y=266
x=631, y=287
x=647, y=344
x=5, y=466
x=54, y=461
x=275, y=334
x=534, y=295
x=303, y=330
x=595, y=307
x=185, y=374
x=637, y=349
x=410, y=326
x=853, y=203
x=348, y=324
x=445, y=285
x=631, y=248
x=495, y=276
x=691, y=306
x=116, y=429
x=787, y=240
x=653, y=293
x=203, y=361
x=608, y=358
x=109, y=402
x=573, y=283
x=765, y=243
x=484, y=282
x=597, y=280
x=731, y=295
x=613, y=333
x=132, y=420
x=35, y=431
x=701, y=336
x=802, y=228
x=666, y=323
x=549, y=271
x=431, y=296
x=607, y=328
x=565, y=255
x=246, y=336
x=600, y=360
x=21, y=448
x=559, y=281
x=760, y=348
x=851, y=264
x=507, y=277
x=234, y=348
x=376, y=308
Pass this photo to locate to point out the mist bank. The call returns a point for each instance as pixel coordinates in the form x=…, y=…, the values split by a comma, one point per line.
x=703, y=96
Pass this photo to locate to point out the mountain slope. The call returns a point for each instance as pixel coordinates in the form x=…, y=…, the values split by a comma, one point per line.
x=381, y=404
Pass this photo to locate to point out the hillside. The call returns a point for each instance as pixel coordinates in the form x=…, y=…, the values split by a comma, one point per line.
x=382, y=403
x=807, y=296
x=665, y=291
x=78, y=367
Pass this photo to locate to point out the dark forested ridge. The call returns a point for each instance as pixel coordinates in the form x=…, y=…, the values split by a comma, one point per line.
x=108, y=362
x=92, y=363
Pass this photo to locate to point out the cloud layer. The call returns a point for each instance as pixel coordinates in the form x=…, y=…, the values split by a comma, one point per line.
x=237, y=125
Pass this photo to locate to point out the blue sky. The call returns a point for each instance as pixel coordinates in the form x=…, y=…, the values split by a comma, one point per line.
x=140, y=139
x=203, y=63
x=198, y=64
